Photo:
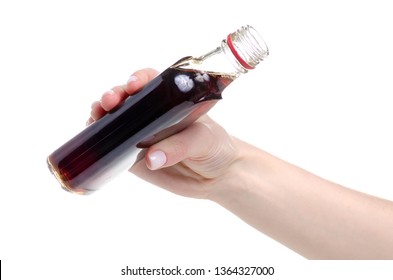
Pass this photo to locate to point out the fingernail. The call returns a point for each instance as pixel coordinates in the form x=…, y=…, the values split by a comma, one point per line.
x=157, y=159
x=89, y=121
x=132, y=79
x=109, y=92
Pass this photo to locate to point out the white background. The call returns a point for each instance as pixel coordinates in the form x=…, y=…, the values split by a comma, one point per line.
x=321, y=101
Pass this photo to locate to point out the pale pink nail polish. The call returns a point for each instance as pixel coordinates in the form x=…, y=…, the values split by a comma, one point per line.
x=89, y=121
x=157, y=159
x=109, y=92
x=132, y=79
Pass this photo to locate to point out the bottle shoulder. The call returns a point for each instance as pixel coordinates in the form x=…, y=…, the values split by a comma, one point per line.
x=187, y=62
x=208, y=64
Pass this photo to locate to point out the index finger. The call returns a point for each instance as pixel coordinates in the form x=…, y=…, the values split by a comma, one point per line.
x=139, y=79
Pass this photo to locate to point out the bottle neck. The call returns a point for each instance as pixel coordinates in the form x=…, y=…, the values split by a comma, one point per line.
x=240, y=52
x=245, y=48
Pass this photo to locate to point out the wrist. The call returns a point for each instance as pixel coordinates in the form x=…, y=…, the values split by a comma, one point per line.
x=243, y=176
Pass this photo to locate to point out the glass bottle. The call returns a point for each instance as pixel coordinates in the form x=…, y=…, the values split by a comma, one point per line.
x=167, y=104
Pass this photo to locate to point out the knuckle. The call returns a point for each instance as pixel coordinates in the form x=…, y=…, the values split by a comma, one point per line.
x=179, y=148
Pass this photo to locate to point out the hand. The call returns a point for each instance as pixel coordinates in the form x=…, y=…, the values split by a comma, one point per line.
x=192, y=162
x=312, y=216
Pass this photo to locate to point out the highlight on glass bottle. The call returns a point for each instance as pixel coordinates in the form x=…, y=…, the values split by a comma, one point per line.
x=167, y=104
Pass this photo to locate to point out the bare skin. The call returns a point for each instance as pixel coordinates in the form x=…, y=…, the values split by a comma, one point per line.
x=310, y=215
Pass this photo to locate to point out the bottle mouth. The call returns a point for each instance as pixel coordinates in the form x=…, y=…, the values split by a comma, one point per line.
x=247, y=46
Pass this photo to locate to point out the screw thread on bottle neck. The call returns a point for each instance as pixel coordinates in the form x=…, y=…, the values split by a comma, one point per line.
x=247, y=46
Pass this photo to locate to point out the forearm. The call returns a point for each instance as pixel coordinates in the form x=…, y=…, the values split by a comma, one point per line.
x=314, y=217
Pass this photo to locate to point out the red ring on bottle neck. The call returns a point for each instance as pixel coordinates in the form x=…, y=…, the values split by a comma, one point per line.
x=236, y=54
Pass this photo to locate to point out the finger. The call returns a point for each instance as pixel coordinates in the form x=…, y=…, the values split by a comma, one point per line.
x=89, y=121
x=195, y=142
x=97, y=111
x=116, y=95
x=139, y=79
x=169, y=179
x=112, y=98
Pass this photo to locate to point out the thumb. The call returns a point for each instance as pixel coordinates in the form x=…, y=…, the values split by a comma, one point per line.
x=201, y=145
x=193, y=142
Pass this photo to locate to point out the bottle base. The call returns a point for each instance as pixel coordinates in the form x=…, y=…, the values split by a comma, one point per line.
x=59, y=178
